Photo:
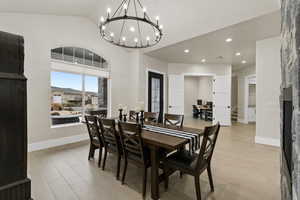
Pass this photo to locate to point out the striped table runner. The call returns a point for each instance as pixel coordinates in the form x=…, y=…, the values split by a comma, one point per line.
x=194, y=139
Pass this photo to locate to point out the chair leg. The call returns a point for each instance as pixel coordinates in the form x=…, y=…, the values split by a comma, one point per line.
x=166, y=177
x=197, y=187
x=181, y=174
x=124, y=170
x=100, y=156
x=211, y=183
x=118, y=167
x=144, y=181
x=92, y=152
x=104, y=160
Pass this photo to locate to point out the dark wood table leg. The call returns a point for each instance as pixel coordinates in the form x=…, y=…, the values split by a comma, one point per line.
x=154, y=173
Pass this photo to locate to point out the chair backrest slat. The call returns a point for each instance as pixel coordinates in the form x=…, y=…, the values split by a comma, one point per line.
x=109, y=133
x=93, y=128
x=99, y=113
x=174, y=120
x=131, y=140
x=208, y=145
x=151, y=117
x=132, y=115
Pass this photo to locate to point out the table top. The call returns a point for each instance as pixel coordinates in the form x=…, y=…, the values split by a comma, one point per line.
x=167, y=141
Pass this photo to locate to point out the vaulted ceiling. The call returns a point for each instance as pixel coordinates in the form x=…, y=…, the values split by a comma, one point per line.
x=182, y=19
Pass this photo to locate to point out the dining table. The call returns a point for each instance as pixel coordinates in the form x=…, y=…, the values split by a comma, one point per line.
x=156, y=142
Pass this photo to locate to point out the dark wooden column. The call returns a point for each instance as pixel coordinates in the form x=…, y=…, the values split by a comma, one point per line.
x=14, y=184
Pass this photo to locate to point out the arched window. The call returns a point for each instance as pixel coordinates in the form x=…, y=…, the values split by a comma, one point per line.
x=78, y=56
x=80, y=89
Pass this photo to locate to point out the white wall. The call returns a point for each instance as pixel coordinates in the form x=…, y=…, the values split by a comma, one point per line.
x=41, y=34
x=149, y=63
x=205, y=88
x=268, y=79
x=191, y=89
x=209, y=69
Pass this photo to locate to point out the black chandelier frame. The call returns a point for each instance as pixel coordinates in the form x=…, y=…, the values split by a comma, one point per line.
x=146, y=19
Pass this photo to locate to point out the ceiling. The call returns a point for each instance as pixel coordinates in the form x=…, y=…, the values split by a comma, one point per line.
x=212, y=46
x=182, y=19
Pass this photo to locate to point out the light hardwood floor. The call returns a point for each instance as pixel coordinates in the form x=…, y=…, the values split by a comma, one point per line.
x=242, y=170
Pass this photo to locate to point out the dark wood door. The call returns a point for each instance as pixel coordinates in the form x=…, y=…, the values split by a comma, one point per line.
x=156, y=94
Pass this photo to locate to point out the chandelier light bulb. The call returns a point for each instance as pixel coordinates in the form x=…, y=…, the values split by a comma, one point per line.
x=203, y=60
x=244, y=61
x=137, y=38
x=102, y=19
x=228, y=40
x=132, y=29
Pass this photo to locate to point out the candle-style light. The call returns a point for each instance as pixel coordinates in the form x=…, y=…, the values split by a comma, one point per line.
x=157, y=19
x=122, y=15
x=108, y=12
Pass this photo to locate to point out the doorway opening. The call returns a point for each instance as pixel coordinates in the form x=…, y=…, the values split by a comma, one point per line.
x=198, y=98
x=250, y=98
x=156, y=94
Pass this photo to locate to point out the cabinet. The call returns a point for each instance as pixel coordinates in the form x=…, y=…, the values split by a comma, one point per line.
x=14, y=184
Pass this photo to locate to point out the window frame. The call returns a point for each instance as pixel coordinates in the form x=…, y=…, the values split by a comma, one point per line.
x=83, y=70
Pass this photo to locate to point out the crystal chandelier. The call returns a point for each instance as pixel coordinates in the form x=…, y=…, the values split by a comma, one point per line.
x=130, y=26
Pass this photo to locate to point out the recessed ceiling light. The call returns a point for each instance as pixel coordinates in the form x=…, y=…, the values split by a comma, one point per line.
x=203, y=60
x=244, y=61
x=186, y=51
x=237, y=53
x=228, y=40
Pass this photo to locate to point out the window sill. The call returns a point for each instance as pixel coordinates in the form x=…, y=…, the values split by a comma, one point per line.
x=67, y=125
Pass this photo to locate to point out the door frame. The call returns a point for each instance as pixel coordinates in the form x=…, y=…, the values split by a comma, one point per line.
x=246, y=93
x=213, y=75
x=164, y=88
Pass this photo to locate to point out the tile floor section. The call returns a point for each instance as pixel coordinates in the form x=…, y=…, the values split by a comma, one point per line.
x=242, y=170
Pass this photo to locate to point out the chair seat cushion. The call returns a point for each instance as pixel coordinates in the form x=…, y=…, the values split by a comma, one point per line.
x=182, y=160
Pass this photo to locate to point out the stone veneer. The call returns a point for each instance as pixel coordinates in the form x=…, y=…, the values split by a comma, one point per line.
x=290, y=66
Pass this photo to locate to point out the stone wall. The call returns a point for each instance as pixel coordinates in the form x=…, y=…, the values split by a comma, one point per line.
x=290, y=57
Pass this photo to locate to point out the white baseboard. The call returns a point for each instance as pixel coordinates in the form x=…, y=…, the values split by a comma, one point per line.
x=267, y=141
x=56, y=142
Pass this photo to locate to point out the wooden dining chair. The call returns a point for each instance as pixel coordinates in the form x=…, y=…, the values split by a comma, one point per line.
x=95, y=137
x=134, y=149
x=196, y=111
x=111, y=141
x=194, y=164
x=99, y=113
x=132, y=115
x=151, y=117
x=174, y=120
